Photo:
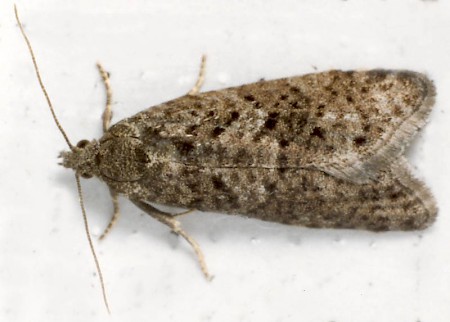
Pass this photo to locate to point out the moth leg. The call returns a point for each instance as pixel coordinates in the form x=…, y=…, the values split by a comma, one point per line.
x=201, y=78
x=115, y=217
x=187, y=212
x=168, y=220
x=107, y=113
x=106, y=117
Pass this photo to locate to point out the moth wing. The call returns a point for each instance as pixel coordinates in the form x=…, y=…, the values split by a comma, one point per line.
x=398, y=114
x=347, y=124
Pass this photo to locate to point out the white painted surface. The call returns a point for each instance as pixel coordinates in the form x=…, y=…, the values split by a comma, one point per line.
x=263, y=271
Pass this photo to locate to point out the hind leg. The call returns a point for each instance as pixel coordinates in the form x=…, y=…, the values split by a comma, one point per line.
x=169, y=220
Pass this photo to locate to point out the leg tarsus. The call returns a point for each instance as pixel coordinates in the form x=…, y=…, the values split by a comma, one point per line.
x=175, y=226
x=201, y=78
x=107, y=113
x=115, y=217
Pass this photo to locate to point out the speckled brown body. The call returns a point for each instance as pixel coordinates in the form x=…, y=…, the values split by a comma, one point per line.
x=320, y=150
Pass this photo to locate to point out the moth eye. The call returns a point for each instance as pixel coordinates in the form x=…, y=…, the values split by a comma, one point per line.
x=86, y=175
x=82, y=144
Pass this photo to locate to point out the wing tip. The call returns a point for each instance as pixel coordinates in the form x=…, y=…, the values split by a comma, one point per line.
x=390, y=151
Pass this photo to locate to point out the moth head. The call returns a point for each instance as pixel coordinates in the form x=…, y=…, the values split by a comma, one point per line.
x=82, y=158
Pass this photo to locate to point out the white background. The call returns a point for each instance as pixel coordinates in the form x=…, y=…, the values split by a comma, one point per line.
x=263, y=271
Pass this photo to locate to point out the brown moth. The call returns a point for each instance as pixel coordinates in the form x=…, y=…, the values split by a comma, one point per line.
x=323, y=150
x=320, y=150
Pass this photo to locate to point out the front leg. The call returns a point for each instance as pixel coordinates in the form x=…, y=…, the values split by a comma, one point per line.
x=169, y=220
x=107, y=113
x=106, y=122
x=115, y=216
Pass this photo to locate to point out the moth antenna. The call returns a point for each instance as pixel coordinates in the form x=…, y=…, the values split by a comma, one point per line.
x=77, y=178
x=36, y=68
x=91, y=245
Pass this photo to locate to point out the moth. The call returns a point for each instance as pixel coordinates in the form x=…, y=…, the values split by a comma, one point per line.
x=322, y=150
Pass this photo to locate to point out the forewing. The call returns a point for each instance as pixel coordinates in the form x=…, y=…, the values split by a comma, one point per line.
x=347, y=124
x=306, y=197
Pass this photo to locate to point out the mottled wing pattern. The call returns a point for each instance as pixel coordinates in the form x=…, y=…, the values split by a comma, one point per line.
x=294, y=196
x=320, y=150
x=348, y=124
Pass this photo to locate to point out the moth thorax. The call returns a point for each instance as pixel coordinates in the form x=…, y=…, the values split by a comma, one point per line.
x=122, y=159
